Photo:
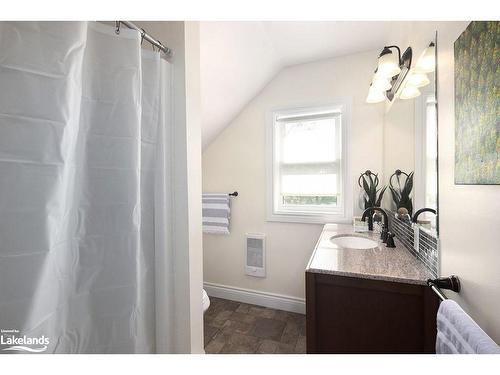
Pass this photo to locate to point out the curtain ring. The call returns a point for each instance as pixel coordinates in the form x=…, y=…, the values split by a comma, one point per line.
x=142, y=35
x=117, y=27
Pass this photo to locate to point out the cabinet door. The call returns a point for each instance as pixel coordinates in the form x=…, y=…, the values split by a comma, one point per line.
x=351, y=315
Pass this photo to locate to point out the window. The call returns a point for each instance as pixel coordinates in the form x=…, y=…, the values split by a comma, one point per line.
x=431, y=152
x=426, y=153
x=308, y=165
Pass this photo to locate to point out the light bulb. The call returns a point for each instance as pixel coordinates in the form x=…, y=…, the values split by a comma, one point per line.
x=409, y=92
x=388, y=64
x=375, y=95
x=417, y=79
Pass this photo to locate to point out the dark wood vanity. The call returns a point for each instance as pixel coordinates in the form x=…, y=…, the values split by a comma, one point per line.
x=367, y=301
x=355, y=315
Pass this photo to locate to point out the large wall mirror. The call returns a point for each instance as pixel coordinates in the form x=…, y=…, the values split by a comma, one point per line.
x=411, y=146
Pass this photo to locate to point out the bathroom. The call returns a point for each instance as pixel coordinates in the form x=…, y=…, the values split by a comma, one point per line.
x=233, y=187
x=389, y=145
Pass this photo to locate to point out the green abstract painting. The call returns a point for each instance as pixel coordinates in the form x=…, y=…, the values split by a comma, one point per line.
x=477, y=92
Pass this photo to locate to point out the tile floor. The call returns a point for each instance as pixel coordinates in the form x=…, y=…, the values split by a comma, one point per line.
x=234, y=327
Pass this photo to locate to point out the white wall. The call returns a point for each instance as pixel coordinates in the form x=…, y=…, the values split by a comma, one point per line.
x=399, y=143
x=399, y=137
x=236, y=160
x=183, y=38
x=469, y=215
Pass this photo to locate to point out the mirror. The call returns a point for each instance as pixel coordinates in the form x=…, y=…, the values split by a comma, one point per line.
x=411, y=145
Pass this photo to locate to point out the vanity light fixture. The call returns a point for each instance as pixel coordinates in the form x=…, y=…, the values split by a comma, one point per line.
x=391, y=71
x=427, y=62
x=417, y=77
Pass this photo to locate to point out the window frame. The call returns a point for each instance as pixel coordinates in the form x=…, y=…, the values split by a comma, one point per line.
x=321, y=215
x=420, y=182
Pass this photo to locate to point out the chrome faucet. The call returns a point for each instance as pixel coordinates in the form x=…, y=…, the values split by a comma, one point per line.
x=425, y=209
x=385, y=222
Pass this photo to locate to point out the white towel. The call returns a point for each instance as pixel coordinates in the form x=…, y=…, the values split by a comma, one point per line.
x=457, y=333
x=216, y=213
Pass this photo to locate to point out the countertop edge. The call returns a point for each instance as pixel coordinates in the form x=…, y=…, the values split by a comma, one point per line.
x=368, y=276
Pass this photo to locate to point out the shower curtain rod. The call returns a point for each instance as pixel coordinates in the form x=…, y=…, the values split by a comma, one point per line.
x=145, y=36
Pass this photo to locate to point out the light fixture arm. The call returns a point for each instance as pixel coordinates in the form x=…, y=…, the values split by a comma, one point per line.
x=399, y=53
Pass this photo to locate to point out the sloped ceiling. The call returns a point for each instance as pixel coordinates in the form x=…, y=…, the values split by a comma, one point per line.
x=238, y=59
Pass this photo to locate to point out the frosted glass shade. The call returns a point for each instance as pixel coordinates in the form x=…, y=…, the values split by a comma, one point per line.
x=409, y=92
x=418, y=79
x=381, y=83
x=427, y=62
x=375, y=95
x=388, y=65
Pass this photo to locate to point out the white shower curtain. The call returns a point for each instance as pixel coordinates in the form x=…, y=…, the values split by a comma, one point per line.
x=84, y=156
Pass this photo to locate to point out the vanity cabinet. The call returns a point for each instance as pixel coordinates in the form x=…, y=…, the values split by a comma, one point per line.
x=347, y=314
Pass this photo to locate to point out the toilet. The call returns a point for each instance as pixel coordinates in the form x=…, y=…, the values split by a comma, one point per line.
x=206, y=301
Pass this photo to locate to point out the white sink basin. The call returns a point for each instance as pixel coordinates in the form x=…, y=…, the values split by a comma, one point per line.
x=349, y=241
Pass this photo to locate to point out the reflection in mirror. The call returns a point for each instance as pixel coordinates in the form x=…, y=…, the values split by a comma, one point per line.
x=410, y=145
x=410, y=148
x=426, y=152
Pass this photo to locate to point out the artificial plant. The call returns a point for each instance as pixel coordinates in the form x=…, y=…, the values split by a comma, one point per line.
x=373, y=196
x=401, y=193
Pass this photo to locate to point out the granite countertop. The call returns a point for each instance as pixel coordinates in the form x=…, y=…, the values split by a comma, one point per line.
x=382, y=263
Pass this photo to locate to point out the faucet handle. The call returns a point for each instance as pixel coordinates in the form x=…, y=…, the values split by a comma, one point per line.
x=383, y=234
x=390, y=240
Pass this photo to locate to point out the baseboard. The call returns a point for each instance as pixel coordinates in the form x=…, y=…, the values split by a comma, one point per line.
x=254, y=297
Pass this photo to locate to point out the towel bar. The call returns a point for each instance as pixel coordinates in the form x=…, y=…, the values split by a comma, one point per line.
x=451, y=283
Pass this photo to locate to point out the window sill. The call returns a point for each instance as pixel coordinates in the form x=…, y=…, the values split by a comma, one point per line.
x=308, y=219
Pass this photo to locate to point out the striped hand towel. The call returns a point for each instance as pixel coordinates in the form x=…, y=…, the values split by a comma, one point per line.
x=216, y=213
x=457, y=333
